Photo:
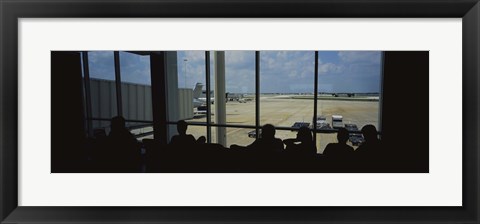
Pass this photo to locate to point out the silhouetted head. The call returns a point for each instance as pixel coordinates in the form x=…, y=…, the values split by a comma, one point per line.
x=342, y=135
x=117, y=123
x=369, y=133
x=304, y=134
x=268, y=131
x=182, y=127
x=201, y=140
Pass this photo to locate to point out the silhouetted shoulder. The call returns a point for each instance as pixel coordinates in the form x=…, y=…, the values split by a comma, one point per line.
x=190, y=139
x=338, y=149
x=370, y=148
x=278, y=143
x=329, y=149
x=182, y=140
x=264, y=145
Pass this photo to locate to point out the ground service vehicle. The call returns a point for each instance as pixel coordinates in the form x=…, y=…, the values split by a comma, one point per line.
x=354, y=138
x=253, y=134
x=322, y=123
x=337, y=121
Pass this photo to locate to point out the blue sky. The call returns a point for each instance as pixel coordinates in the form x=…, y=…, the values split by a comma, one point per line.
x=280, y=71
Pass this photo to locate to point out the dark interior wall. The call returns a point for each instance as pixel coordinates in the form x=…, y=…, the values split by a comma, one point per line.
x=405, y=111
x=68, y=132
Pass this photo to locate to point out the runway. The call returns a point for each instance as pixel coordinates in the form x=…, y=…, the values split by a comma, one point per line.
x=284, y=111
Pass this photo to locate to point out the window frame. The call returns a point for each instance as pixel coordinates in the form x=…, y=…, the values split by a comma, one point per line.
x=208, y=124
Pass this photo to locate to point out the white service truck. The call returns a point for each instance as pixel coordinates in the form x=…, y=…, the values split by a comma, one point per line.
x=337, y=121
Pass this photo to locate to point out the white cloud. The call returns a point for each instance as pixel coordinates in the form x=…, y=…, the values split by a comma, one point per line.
x=100, y=56
x=327, y=68
x=360, y=56
x=239, y=59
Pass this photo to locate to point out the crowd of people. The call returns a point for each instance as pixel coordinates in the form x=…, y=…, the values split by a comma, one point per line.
x=121, y=152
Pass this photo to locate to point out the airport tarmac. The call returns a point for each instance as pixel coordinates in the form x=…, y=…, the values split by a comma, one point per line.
x=284, y=112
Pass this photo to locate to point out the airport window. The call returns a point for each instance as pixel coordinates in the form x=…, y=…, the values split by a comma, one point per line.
x=103, y=94
x=349, y=84
x=109, y=75
x=136, y=91
x=349, y=90
x=348, y=93
x=190, y=82
x=287, y=89
x=239, y=95
x=240, y=87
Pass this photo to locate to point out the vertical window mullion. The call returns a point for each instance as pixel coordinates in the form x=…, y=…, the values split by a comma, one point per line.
x=207, y=96
x=382, y=61
x=118, y=83
x=315, y=98
x=257, y=94
x=88, y=100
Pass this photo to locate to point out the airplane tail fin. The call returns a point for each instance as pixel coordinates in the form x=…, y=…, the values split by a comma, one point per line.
x=198, y=90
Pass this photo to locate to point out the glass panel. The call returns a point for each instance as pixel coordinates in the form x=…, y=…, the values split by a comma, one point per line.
x=135, y=68
x=214, y=135
x=349, y=91
x=101, y=65
x=141, y=130
x=240, y=87
x=136, y=86
x=191, y=86
x=286, y=87
x=102, y=87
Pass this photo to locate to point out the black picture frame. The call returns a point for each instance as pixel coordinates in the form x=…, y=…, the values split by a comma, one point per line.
x=11, y=11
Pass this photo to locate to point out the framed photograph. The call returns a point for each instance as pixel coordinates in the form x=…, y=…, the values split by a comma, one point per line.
x=224, y=111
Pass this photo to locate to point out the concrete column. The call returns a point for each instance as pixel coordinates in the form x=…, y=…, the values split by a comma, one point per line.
x=172, y=92
x=220, y=105
x=163, y=68
x=159, y=99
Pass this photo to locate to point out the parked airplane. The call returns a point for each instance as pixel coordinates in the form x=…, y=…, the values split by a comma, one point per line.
x=199, y=101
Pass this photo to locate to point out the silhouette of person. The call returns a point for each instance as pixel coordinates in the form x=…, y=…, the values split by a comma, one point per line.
x=201, y=140
x=371, y=147
x=126, y=154
x=182, y=138
x=266, y=144
x=339, y=150
x=303, y=144
x=118, y=130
